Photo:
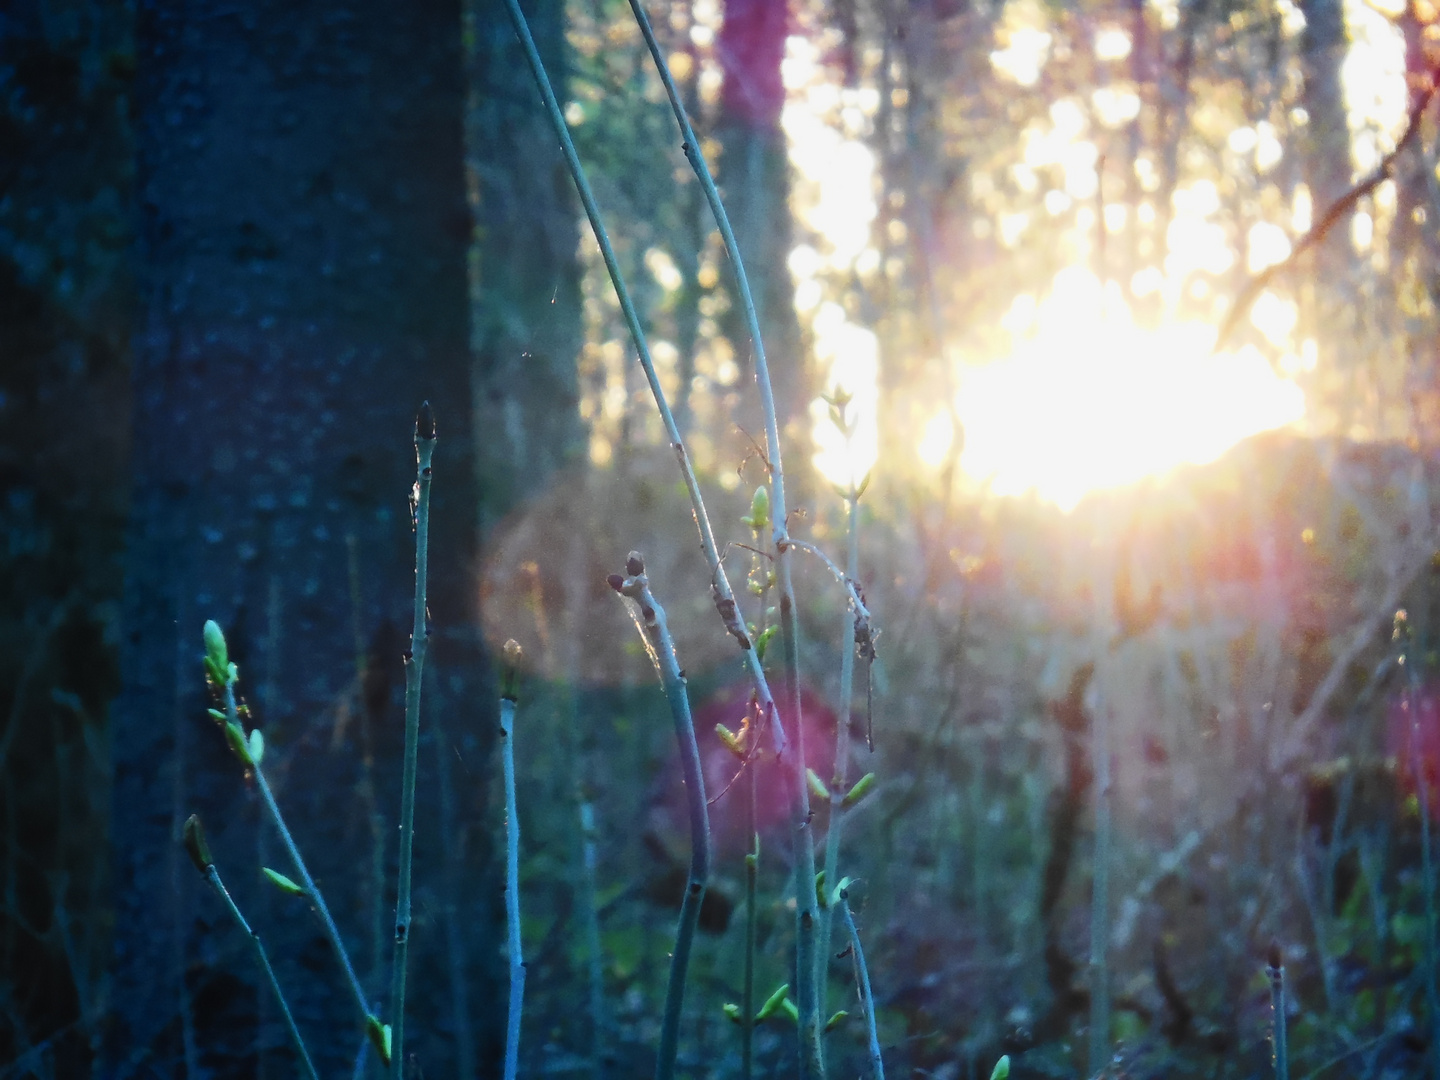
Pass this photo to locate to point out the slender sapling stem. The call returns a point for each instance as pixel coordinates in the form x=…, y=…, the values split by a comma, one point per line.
x=414, y=670
x=649, y=617
x=1281, y=1051
x=1404, y=631
x=225, y=675
x=595, y=957
x=721, y=593
x=508, y=698
x=1099, y=969
x=759, y=522
x=862, y=977
x=839, y=778
x=806, y=911
x=200, y=855
x=752, y=914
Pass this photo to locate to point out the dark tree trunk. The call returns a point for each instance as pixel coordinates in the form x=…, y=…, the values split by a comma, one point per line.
x=64, y=432
x=302, y=265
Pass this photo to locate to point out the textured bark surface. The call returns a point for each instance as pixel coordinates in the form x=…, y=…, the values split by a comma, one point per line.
x=301, y=263
x=64, y=427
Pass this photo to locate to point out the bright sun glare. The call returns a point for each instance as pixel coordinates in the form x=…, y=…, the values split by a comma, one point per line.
x=1085, y=398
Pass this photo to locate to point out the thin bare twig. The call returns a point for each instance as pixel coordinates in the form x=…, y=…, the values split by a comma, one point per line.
x=1333, y=215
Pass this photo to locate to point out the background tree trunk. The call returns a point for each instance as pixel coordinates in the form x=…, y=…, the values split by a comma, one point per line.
x=754, y=174
x=1324, y=152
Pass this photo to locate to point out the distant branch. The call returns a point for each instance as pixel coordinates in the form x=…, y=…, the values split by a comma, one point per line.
x=1340, y=209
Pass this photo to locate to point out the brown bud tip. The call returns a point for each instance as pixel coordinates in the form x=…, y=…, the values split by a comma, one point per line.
x=616, y=582
x=425, y=422
x=195, y=845
x=1273, y=956
x=634, y=564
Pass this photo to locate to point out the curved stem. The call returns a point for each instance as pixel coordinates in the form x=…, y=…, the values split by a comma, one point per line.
x=862, y=975
x=721, y=593
x=649, y=617
x=321, y=908
x=806, y=911
x=839, y=778
x=1427, y=886
x=297, y=862
x=212, y=875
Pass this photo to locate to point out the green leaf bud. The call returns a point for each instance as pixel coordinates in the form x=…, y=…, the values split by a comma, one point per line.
x=379, y=1037
x=733, y=1012
x=195, y=844
x=1002, y=1068
x=790, y=1009
x=817, y=786
x=841, y=887
x=216, y=652
x=859, y=791
x=256, y=746
x=759, y=519
x=732, y=743
x=217, y=715
x=763, y=642
x=283, y=883
x=836, y=1020
x=820, y=889
x=773, y=1003
x=235, y=736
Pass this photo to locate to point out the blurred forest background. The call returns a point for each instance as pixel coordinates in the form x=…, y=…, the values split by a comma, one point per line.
x=1137, y=583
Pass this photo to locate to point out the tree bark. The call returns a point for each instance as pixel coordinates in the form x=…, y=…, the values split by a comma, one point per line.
x=303, y=277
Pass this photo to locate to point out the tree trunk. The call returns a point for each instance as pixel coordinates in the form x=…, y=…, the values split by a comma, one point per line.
x=1324, y=150
x=303, y=274
x=754, y=174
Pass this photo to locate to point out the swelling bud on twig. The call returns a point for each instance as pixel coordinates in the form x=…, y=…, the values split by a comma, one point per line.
x=773, y=1003
x=195, y=844
x=817, y=786
x=425, y=422
x=235, y=736
x=859, y=791
x=731, y=741
x=217, y=655
x=511, y=657
x=379, y=1035
x=1002, y=1069
x=281, y=882
x=759, y=518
